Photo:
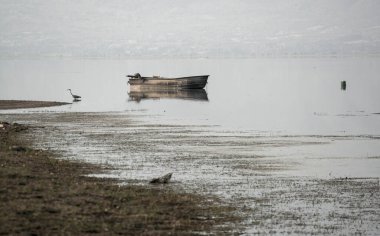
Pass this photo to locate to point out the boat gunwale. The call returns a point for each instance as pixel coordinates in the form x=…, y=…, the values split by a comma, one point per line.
x=176, y=78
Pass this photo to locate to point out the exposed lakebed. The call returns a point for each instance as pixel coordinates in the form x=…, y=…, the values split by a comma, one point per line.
x=271, y=191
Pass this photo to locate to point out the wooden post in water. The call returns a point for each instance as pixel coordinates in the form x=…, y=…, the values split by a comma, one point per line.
x=343, y=85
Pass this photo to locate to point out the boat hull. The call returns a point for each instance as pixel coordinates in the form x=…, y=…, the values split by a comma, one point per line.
x=156, y=84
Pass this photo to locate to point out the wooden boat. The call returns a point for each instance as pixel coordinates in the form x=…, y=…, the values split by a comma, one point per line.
x=185, y=94
x=139, y=83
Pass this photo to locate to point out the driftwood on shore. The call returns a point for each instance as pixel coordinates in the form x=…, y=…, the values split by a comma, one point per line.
x=4, y=125
x=162, y=180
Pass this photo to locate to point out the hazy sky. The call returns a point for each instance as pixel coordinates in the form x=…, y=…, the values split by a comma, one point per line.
x=182, y=28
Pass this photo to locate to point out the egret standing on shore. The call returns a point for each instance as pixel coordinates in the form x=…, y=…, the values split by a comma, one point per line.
x=76, y=97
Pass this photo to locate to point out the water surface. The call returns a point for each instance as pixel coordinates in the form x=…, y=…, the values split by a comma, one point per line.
x=289, y=95
x=276, y=137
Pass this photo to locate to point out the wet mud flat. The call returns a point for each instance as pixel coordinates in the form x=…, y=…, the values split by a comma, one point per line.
x=20, y=104
x=234, y=166
x=40, y=193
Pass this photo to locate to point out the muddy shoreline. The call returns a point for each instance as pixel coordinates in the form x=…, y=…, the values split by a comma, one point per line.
x=42, y=194
x=240, y=169
x=20, y=104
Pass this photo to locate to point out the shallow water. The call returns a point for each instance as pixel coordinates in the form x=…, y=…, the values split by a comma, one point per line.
x=277, y=137
x=289, y=95
x=261, y=97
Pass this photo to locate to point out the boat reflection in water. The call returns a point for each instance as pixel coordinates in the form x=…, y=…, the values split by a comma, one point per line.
x=159, y=93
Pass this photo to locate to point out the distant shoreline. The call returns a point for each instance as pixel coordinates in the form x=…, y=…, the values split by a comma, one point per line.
x=191, y=57
x=20, y=104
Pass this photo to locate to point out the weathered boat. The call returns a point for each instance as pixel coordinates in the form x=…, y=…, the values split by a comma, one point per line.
x=140, y=83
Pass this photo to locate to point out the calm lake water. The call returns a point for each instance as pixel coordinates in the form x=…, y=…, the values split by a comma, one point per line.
x=288, y=96
x=271, y=98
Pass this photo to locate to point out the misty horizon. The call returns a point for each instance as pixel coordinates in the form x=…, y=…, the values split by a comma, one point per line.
x=188, y=29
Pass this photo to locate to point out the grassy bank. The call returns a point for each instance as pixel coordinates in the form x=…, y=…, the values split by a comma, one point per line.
x=40, y=194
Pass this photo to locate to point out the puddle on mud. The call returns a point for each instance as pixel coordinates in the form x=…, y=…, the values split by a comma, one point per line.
x=281, y=184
